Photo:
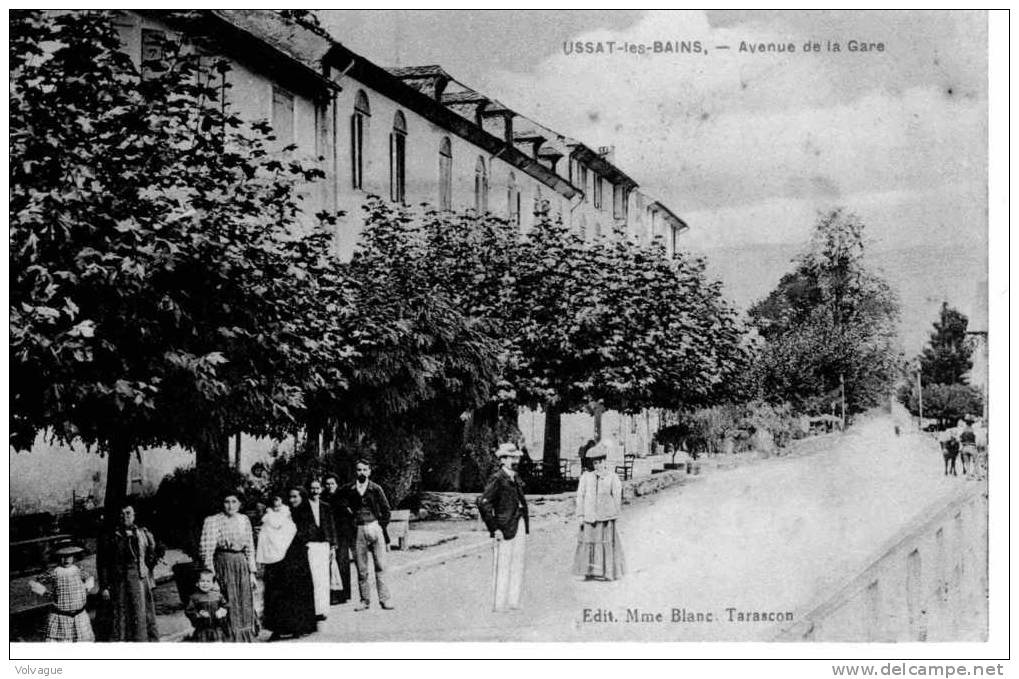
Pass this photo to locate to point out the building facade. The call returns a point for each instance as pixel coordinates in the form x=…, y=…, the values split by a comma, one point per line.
x=412, y=135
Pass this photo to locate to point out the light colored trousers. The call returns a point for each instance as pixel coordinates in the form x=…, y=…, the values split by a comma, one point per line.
x=318, y=561
x=370, y=539
x=508, y=570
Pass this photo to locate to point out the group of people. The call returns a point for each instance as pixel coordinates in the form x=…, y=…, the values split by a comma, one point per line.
x=302, y=556
x=503, y=508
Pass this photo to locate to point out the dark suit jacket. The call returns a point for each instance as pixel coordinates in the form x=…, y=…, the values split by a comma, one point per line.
x=503, y=504
x=344, y=518
x=324, y=531
x=374, y=498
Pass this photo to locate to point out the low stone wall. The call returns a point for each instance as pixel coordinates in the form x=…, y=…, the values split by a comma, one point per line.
x=928, y=583
x=462, y=507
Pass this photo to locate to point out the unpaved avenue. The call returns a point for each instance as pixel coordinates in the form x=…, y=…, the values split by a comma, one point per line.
x=765, y=537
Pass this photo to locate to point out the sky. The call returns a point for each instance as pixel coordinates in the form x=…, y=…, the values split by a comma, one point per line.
x=745, y=147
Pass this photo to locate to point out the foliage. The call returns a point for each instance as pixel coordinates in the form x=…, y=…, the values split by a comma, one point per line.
x=162, y=277
x=707, y=429
x=947, y=358
x=947, y=403
x=185, y=497
x=829, y=319
x=611, y=322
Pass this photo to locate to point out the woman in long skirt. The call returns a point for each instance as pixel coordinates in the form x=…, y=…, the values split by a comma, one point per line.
x=289, y=593
x=599, y=502
x=228, y=549
x=129, y=554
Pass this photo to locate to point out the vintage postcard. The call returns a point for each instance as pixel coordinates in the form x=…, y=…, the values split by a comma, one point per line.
x=344, y=326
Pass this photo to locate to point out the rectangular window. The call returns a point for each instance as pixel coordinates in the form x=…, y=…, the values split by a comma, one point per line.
x=597, y=192
x=153, y=42
x=619, y=202
x=283, y=116
x=582, y=181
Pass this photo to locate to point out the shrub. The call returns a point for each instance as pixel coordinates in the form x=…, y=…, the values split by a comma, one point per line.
x=185, y=498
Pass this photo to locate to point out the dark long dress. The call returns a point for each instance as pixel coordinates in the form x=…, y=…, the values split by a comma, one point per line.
x=129, y=555
x=289, y=595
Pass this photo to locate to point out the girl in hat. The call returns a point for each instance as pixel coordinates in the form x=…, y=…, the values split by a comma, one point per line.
x=69, y=586
x=599, y=503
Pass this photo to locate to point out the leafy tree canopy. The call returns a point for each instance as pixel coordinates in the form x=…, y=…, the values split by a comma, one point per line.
x=829, y=319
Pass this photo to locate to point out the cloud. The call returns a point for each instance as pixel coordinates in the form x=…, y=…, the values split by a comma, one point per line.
x=732, y=134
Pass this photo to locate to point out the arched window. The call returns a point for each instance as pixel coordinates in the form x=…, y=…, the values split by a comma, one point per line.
x=480, y=186
x=358, y=130
x=513, y=199
x=398, y=159
x=445, y=175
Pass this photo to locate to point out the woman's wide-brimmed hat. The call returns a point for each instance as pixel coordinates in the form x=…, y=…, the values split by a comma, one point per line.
x=508, y=450
x=598, y=452
x=68, y=549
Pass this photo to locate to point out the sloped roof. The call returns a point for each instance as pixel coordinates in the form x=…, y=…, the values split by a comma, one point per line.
x=432, y=71
x=298, y=42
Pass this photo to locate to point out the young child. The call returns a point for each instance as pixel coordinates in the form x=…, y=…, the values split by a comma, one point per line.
x=207, y=610
x=69, y=586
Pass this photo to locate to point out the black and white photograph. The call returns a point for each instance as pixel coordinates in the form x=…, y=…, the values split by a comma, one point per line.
x=555, y=327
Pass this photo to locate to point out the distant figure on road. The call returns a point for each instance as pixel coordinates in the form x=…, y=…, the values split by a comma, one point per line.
x=503, y=508
x=599, y=502
x=967, y=446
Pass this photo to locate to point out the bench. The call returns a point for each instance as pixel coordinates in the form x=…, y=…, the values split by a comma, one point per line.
x=398, y=528
x=625, y=470
x=33, y=555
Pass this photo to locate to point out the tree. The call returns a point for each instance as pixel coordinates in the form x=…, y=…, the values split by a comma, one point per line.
x=584, y=323
x=423, y=359
x=829, y=320
x=946, y=403
x=946, y=359
x=943, y=367
x=165, y=288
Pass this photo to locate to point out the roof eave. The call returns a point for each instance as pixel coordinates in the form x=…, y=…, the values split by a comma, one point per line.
x=393, y=87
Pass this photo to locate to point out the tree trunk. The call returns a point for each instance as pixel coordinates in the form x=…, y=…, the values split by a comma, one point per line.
x=553, y=430
x=212, y=453
x=599, y=410
x=117, y=466
x=312, y=442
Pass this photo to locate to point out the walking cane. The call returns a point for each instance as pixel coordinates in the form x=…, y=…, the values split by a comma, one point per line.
x=495, y=572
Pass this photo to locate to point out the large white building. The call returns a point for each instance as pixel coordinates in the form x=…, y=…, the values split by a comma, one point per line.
x=412, y=135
